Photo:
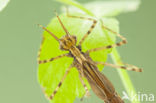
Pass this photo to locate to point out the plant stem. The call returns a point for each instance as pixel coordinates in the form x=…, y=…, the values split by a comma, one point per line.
x=78, y=5
x=124, y=75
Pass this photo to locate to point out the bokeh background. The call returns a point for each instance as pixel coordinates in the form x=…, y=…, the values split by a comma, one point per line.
x=20, y=38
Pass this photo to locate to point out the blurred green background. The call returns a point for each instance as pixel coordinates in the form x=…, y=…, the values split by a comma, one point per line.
x=20, y=38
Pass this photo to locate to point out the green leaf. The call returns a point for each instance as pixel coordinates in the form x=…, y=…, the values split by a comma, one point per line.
x=104, y=8
x=3, y=4
x=75, y=4
x=112, y=7
x=50, y=74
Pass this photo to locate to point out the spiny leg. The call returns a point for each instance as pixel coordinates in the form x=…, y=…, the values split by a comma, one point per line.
x=134, y=67
x=39, y=52
x=124, y=41
x=47, y=60
x=89, y=31
x=51, y=59
x=60, y=83
x=126, y=66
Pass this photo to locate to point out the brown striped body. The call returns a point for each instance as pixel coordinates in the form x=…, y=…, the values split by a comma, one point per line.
x=101, y=86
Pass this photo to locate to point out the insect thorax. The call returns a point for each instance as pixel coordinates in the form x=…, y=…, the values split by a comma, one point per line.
x=67, y=42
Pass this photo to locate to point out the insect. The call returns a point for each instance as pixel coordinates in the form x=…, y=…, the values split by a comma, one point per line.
x=86, y=67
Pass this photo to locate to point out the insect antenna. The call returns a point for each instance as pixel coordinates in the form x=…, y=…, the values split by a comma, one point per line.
x=49, y=32
x=64, y=28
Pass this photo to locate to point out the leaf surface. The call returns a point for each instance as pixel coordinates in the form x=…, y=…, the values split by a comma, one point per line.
x=3, y=4
x=50, y=74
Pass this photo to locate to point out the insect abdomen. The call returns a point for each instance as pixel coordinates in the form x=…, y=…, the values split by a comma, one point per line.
x=116, y=99
x=103, y=90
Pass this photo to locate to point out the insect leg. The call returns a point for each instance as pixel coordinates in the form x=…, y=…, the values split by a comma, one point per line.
x=39, y=52
x=126, y=66
x=48, y=60
x=89, y=31
x=60, y=83
x=51, y=59
x=124, y=41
